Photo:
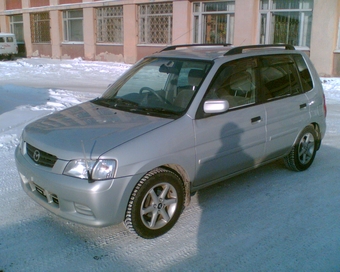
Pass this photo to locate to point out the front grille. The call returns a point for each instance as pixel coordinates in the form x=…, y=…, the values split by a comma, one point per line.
x=40, y=157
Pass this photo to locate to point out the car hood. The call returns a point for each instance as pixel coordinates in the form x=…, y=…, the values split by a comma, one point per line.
x=90, y=127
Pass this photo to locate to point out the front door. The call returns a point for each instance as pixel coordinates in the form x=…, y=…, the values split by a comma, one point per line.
x=229, y=143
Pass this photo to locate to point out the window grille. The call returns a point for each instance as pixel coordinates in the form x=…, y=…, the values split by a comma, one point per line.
x=73, y=25
x=214, y=22
x=155, y=23
x=110, y=25
x=286, y=21
x=40, y=27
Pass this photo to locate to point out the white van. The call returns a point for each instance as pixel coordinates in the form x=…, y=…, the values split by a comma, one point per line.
x=8, y=45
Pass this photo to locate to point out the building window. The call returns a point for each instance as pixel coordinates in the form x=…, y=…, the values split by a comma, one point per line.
x=40, y=27
x=214, y=22
x=73, y=25
x=155, y=23
x=17, y=27
x=110, y=25
x=286, y=21
x=338, y=41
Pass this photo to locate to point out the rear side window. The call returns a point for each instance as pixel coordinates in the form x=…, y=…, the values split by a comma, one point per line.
x=306, y=79
x=279, y=77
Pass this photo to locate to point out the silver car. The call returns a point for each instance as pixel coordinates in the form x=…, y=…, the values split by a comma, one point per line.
x=177, y=121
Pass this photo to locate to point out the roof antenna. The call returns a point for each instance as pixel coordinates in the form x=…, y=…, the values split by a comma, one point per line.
x=89, y=176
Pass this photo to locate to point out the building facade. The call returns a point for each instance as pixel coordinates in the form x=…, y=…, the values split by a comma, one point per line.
x=127, y=30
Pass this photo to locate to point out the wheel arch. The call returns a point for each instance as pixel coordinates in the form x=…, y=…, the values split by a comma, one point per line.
x=183, y=175
x=316, y=128
x=318, y=133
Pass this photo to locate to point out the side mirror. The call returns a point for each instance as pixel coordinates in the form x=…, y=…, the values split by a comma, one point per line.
x=216, y=106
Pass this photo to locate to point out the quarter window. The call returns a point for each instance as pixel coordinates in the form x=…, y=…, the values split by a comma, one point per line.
x=110, y=25
x=73, y=25
x=40, y=27
x=305, y=77
x=155, y=23
x=214, y=22
x=286, y=21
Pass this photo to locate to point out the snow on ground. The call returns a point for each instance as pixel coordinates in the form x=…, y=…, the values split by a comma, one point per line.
x=269, y=219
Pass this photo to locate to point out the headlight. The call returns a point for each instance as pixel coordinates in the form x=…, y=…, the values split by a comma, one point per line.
x=98, y=169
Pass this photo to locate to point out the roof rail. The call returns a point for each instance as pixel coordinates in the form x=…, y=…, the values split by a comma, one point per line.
x=239, y=49
x=174, y=47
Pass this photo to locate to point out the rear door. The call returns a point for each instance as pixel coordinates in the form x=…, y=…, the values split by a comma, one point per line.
x=287, y=107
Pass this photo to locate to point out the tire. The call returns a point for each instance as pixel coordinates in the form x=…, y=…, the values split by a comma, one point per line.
x=155, y=204
x=303, y=152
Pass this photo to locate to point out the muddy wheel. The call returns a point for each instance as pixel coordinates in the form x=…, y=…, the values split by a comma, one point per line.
x=303, y=152
x=155, y=204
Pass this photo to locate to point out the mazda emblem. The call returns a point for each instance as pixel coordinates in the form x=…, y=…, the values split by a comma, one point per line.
x=36, y=155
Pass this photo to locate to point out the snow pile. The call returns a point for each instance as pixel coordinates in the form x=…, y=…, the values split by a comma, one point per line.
x=331, y=88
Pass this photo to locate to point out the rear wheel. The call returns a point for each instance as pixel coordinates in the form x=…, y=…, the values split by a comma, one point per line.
x=303, y=152
x=155, y=204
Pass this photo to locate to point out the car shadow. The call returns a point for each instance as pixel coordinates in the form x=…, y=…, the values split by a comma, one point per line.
x=271, y=219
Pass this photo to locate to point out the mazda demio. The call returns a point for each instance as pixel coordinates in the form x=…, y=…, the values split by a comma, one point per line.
x=177, y=121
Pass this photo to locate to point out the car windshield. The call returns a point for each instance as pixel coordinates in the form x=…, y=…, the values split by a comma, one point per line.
x=157, y=86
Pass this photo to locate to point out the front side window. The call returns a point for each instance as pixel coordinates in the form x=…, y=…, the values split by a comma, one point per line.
x=73, y=25
x=40, y=27
x=286, y=21
x=110, y=25
x=155, y=23
x=17, y=27
x=157, y=86
x=214, y=22
x=235, y=82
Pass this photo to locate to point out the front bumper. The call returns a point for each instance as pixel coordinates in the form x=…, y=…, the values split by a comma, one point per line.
x=97, y=204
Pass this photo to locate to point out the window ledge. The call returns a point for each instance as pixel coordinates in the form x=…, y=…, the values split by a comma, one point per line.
x=72, y=43
x=152, y=44
x=111, y=44
x=302, y=48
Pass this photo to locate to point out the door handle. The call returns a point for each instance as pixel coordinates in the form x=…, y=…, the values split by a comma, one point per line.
x=256, y=119
x=303, y=106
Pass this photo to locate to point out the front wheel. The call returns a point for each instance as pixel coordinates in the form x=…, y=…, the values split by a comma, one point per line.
x=155, y=204
x=303, y=152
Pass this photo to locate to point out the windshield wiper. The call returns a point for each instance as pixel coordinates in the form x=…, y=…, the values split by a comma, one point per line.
x=162, y=111
x=116, y=102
